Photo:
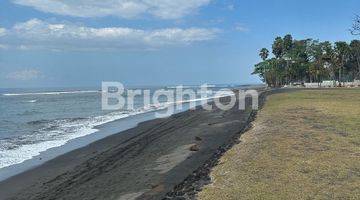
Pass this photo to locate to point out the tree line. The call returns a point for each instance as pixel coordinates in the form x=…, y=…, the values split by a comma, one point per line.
x=308, y=60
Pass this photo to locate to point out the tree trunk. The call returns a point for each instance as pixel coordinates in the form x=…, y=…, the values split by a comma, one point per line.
x=340, y=76
x=358, y=64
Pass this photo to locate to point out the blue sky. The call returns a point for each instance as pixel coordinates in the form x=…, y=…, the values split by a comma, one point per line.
x=66, y=43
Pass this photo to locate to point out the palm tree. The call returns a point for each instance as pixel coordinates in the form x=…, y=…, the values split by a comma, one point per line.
x=264, y=53
x=278, y=47
x=316, y=53
x=287, y=43
x=355, y=54
x=342, y=51
x=355, y=30
x=329, y=58
x=287, y=48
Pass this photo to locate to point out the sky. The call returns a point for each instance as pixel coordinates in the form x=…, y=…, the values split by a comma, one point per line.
x=68, y=43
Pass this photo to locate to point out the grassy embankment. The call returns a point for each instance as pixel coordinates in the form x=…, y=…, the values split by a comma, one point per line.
x=304, y=145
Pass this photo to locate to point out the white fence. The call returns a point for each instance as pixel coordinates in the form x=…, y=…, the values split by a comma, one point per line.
x=356, y=83
x=329, y=84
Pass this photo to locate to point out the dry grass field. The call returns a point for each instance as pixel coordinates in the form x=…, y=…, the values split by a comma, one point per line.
x=303, y=145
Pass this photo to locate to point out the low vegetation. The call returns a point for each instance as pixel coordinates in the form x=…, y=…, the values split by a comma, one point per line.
x=304, y=145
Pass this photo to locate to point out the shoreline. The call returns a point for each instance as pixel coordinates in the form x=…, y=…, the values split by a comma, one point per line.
x=103, y=131
x=147, y=160
x=45, y=152
x=195, y=182
x=100, y=131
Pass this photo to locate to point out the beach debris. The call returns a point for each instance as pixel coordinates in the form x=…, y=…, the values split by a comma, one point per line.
x=194, y=147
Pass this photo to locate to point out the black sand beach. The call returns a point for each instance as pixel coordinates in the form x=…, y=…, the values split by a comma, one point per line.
x=145, y=162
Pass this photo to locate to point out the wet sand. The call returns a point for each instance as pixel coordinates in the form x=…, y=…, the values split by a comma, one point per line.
x=145, y=162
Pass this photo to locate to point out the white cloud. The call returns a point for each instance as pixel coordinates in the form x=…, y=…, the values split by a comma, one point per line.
x=24, y=75
x=2, y=31
x=230, y=7
x=241, y=28
x=23, y=47
x=3, y=46
x=165, y=9
x=36, y=33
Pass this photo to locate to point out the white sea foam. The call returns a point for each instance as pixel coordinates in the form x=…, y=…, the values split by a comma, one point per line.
x=52, y=93
x=68, y=129
x=65, y=132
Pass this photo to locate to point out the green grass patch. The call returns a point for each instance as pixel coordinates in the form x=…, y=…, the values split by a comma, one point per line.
x=304, y=145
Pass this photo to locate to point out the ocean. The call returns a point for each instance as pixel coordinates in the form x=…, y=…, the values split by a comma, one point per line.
x=33, y=121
